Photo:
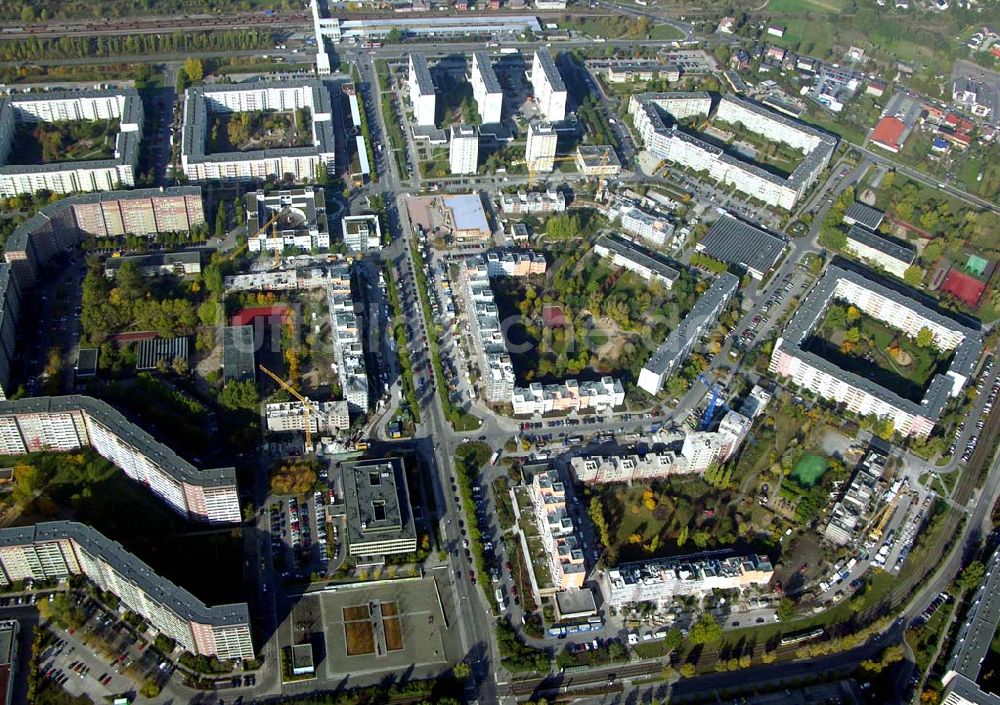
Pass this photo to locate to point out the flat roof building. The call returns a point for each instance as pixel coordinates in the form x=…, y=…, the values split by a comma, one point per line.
x=288, y=218
x=377, y=502
x=178, y=264
x=66, y=423
x=864, y=215
x=467, y=216
x=597, y=160
x=361, y=233
x=463, y=149
x=651, y=266
x=422, y=93
x=895, y=307
x=882, y=252
x=743, y=245
x=238, y=353
x=486, y=89
x=540, y=148
x=679, y=342
x=59, y=549
x=304, y=163
x=115, y=172
x=152, y=351
x=548, y=87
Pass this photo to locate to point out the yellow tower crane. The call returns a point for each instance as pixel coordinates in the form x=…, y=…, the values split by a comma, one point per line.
x=307, y=407
x=876, y=532
x=532, y=172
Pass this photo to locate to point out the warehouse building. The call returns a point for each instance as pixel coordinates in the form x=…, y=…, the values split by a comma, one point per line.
x=742, y=245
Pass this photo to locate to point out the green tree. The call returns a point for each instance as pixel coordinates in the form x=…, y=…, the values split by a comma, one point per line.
x=925, y=337
x=705, y=631
x=194, y=69
x=972, y=576
x=786, y=609
x=913, y=275
x=687, y=670
x=395, y=36
x=462, y=671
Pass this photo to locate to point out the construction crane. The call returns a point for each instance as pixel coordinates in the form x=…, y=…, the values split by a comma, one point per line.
x=307, y=407
x=715, y=400
x=532, y=172
x=887, y=511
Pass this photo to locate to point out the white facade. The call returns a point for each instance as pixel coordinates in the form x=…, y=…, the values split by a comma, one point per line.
x=361, y=233
x=550, y=201
x=558, y=533
x=655, y=228
x=324, y=417
x=548, y=86
x=422, y=96
x=496, y=370
x=486, y=89
x=348, y=350
x=463, y=151
x=572, y=395
x=540, y=150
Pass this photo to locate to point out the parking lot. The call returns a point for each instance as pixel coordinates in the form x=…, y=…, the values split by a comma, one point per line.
x=307, y=534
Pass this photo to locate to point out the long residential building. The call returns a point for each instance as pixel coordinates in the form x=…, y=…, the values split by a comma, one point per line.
x=570, y=395
x=423, y=99
x=550, y=201
x=496, y=370
x=324, y=417
x=675, y=145
x=659, y=581
x=348, y=350
x=118, y=171
x=651, y=266
x=59, y=549
x=304, y=163
x=64, y=224
x=563, y=550
x=898, y=309
x=486, y=89
x=67, y=423
x=547, y=84
x=678, y=343
x=651, y=226
x=891, y=255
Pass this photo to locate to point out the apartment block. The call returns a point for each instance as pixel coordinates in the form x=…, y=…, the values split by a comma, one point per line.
x=570, y=395
x=654, y=228
x=659, y=581
x=348, y=349
x=118, y=171
x=514, y=263
x=881, y=252
x=859, y=501
x=496, y=370
x=64, y=224
x=563, y=549
x=304, y=163
x=667, y=141
x=897, y=309
x=530, y=202
x=59, y=549
x=324, y=417
x=67, y=423
x=463, y=149
x=422, y=95
x=677, y=346
x=540, y=150
x=290, y=218
x=548, y=87
x=651, y=266
x=486, y=89
x=361, y=233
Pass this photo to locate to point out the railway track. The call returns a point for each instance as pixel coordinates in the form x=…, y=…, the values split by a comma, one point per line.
x=154, y=25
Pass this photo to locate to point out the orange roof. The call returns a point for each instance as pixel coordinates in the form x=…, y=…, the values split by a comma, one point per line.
x=888, y=131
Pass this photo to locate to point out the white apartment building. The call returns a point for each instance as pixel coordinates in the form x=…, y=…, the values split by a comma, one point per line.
x=654, y=228
x=808, y=370
x=288, y=218
x=549, y=201
x=422, y=96
x=557, y=531
x=486, y=89
x=109, y=174
x=548, y=86
x=514, y=264
x=324, y=417
x=571, y=395
x=540, y=150
x=60, y=549
x=361, y=233
x=496, y=370
x=649, y=265
x=658, y=581
x=71, y=422
x=892, y=256
x=682, y=148
x=348, y=350
x=463, y=150
x=303, y=163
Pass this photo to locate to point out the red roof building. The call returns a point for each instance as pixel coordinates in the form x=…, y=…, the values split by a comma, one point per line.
x=888, y=134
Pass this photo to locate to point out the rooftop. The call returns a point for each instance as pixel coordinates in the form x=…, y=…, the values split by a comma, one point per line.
x=864, y=215
x=422, y=74
x=377, y=501
x=156, y=588
x=481, y=60
x=735, y=242
x=238, y=348
x=889, y=131
x=598, y=155
x=467, y=212
x=893, y=248
x=653, y=261
x=548, y=67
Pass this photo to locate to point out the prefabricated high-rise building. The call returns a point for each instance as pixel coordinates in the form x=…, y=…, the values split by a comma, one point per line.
x=540, y=151
x=463, y=152
x=486, y=89
x=548, y=86
x=422, y=96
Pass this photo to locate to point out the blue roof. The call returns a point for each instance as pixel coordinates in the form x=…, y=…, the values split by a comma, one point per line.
x=467, y=211
x=940, y=142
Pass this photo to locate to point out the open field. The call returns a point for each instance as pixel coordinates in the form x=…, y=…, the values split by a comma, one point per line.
x=809, y=469
x=63, y=141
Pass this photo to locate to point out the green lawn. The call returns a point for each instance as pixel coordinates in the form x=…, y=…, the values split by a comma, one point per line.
x=809, y=469
x=795, y=6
